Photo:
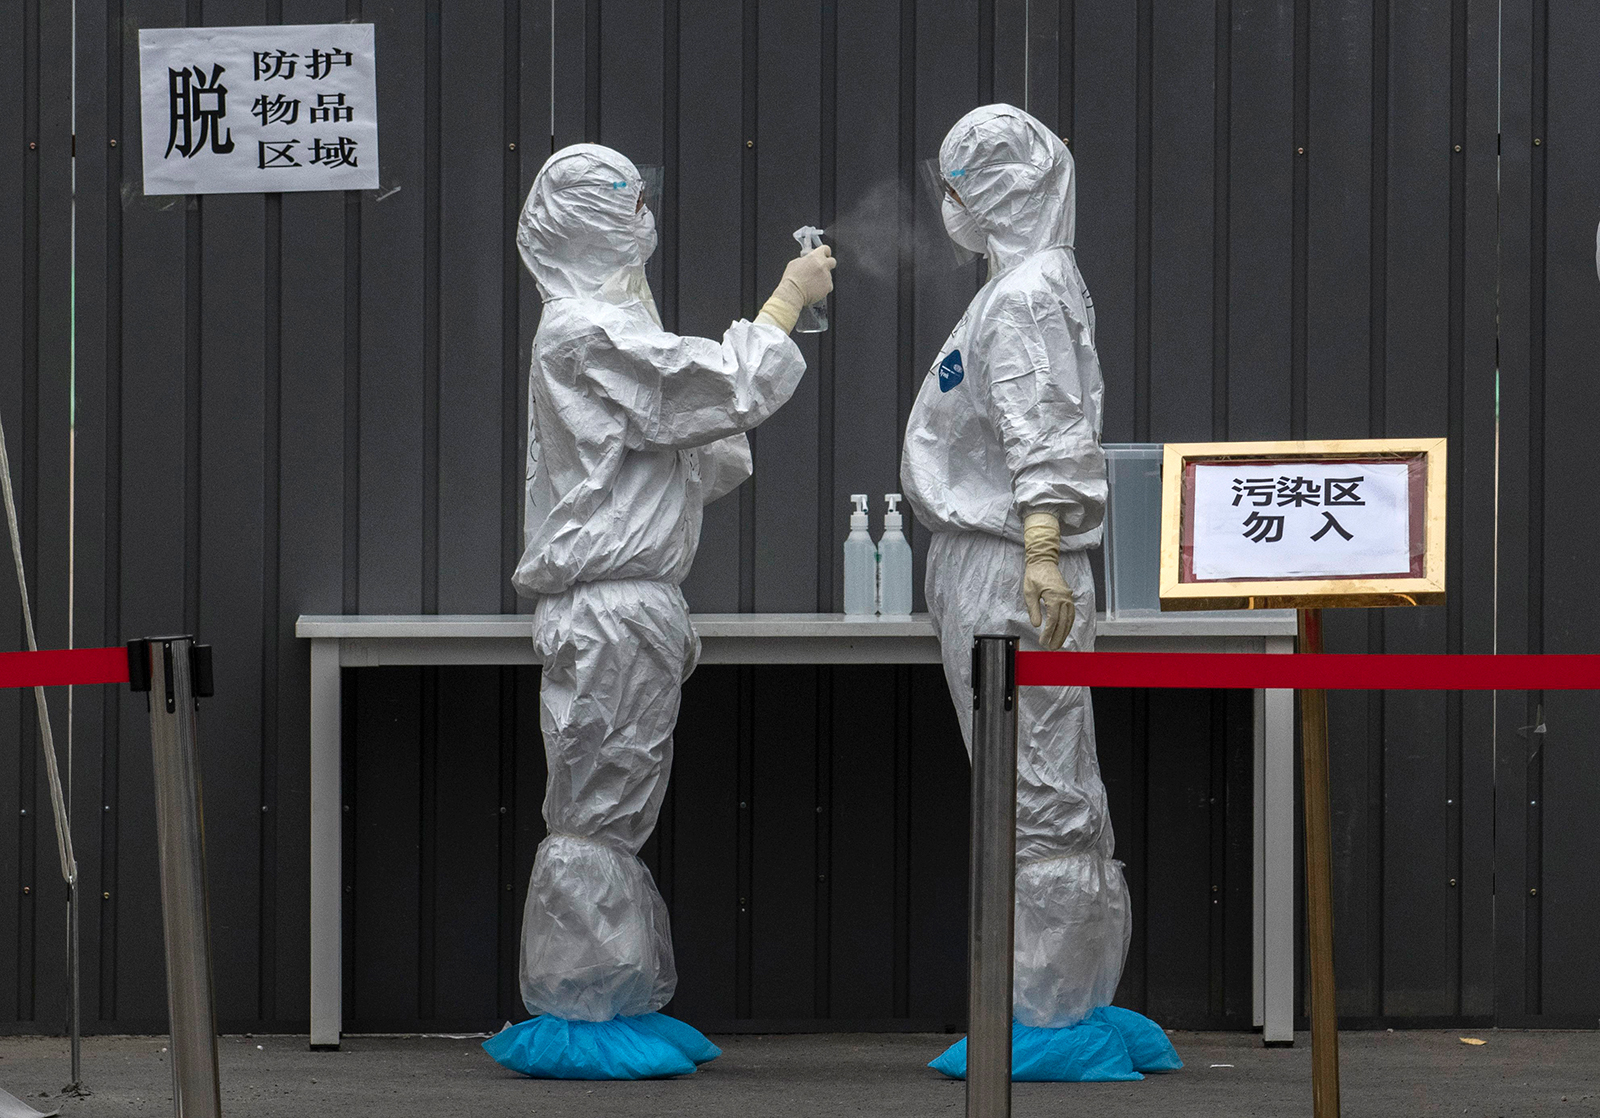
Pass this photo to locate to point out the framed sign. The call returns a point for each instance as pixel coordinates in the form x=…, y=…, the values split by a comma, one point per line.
x=1303, y=524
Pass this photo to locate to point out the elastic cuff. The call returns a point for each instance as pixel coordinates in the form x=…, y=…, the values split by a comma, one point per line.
x=1041, y=537
x=780, y=313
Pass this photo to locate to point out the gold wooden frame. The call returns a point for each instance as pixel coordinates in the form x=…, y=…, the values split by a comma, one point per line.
x=1303, y=593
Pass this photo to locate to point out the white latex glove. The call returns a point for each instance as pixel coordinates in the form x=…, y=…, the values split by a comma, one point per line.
x=807, y=279
x=1045, y=592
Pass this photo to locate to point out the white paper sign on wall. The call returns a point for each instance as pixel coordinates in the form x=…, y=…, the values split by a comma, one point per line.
x=229, y=110
x=1301, y=520
x=1303, y=525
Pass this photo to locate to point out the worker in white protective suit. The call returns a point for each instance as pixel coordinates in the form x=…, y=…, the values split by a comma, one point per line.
x=631, y=431
x=1002, y=461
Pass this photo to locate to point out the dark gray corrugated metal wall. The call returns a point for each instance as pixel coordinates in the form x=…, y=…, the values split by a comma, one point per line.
x=36, y=403
x=311, y=404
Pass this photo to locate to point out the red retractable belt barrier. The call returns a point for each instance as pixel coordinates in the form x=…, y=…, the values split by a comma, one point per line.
x=1311, y=671
x=64, y=667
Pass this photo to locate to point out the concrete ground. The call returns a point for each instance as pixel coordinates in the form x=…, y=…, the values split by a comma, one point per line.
x=1229, y=1075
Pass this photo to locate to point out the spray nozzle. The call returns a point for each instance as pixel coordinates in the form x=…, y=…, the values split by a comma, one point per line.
x=809, y=236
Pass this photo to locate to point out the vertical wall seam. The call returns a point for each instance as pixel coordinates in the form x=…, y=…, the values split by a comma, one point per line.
x=432, y=344
x=428, y=763
x=507, y=943
x=271, y=584
x=986, y=51
x=827, y=203
x=272, y=367
x=591, y=71
x=750, y=56
x=667, y=221
x=1218, y=810
x=1143, y=198
x=348, y=781
x=28, y=867
x=512, y=447
x=1222, y=125
x=1066, y=71
x=432, y=352
x=1455, y=541
x=750, y=47
x=906, y=219
x=671, y=118
x=822, y=845
x=1301, y=156
x=905, y=380
x=513, y=479
x=1139, y=898
x=193, y=297
x=901, y=929
x=744, y=872
x=1533, y=959
x=827, y=208
x=110, y=699
x=1377, y=426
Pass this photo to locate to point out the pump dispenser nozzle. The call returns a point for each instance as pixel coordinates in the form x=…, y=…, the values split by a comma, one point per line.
x=858, y=518
x=891, y=515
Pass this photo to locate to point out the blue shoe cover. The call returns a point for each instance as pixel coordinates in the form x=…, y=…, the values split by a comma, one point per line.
x=1147, y=1044
x=649, y=1046
x=1111, y=1045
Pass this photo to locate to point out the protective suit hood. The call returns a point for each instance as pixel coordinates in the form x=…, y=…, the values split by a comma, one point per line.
x=1016, y=179
x=582, y=233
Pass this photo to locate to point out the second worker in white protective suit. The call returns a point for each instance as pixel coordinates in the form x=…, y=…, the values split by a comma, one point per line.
x=631, y=431
x=1002, y=462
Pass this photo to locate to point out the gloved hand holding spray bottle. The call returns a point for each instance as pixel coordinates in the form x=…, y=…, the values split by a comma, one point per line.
x=814, y=316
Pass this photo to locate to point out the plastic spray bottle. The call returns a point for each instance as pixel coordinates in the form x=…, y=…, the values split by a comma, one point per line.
x=814, y=318
x=860, y=563
x=894, y=562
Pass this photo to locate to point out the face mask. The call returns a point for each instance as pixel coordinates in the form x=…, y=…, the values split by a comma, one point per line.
x=644, y=234
x=963, y=227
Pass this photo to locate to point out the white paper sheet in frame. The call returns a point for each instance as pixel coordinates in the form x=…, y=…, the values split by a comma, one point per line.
x=1301, y=520
x=231, y=110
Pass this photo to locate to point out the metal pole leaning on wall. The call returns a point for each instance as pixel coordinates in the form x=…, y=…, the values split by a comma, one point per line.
x=175, y=671
x=993, y=878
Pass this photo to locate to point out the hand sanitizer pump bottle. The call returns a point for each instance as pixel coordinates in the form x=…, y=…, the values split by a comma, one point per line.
x=894, y=562
x=860, y=563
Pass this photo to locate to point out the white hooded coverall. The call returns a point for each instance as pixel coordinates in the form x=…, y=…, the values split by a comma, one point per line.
x=1007, y=423
x=631, y=431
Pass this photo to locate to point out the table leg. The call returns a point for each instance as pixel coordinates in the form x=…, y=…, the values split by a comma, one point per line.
x=1278, y=849
x=327, y=826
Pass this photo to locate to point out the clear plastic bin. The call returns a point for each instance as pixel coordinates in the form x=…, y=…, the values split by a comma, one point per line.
x=1133, y=529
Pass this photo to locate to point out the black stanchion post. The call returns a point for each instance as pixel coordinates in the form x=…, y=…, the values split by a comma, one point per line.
x=993, y=881
x=175, y=671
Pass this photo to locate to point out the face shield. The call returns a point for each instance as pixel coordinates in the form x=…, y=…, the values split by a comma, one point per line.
x=943, y=193
x=646, y=189
x=646, y=192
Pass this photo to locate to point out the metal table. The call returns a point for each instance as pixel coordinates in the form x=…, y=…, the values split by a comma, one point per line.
x=787, y=638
